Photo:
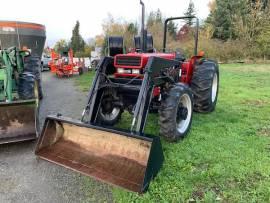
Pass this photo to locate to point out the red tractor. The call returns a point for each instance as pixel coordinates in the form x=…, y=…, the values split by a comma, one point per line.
x=137, y=82
x=174, y=86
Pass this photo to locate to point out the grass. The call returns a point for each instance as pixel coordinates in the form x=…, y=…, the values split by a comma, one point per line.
x=85, y=80
x=226, y=156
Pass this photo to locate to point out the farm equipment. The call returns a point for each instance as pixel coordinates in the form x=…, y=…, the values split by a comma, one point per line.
x=64, y=65
x=136, y=82
x=54, y=61
x=18, y=96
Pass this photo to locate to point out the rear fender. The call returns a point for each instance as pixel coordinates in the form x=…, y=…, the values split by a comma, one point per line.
x=187, y=69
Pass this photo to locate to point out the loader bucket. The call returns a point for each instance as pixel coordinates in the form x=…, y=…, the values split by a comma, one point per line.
x=17, y=121
x=112, y=156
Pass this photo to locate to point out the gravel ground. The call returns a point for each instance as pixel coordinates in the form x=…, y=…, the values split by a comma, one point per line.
x=24, y=178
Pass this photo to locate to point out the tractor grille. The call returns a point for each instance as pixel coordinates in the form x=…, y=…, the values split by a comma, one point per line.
x=128, y=61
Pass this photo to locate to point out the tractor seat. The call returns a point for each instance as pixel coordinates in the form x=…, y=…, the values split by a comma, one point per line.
x=180, y=56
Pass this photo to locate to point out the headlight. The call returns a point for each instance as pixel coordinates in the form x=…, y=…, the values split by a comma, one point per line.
x=123, y=70
x=120, y=70
x=136, y=71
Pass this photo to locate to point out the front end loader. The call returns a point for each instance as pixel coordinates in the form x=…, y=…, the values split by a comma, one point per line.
x=18, y=104
x=138, y=83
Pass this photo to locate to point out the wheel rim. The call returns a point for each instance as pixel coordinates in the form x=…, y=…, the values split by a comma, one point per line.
x=214, y=87
x=110, y=115
x=182, y=125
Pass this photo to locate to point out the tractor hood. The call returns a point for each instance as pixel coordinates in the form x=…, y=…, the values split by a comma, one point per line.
x=138, y=60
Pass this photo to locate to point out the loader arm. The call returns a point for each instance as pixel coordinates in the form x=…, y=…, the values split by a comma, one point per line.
x=93, y=93
x=151, y=78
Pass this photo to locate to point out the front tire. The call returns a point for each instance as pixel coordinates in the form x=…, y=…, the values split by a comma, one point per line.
x=205, y=86
x=175, y=115
x=109, y=114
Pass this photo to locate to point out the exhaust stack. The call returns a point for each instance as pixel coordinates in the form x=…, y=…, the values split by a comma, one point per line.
x=143, y=30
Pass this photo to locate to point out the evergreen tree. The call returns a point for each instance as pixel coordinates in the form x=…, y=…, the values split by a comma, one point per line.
x=155, y=27
x=172, y=29
x=151, y=19
x=238, y=19
x=223, y=16
x=158, y=16
x=190, y=12
x=77, y=43
x=154, y=18
x=132, y=28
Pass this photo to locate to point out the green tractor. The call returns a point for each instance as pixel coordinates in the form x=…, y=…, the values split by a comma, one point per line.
x=18, y=96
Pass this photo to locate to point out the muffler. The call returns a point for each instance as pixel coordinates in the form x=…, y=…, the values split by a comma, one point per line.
x=109, y=155
x=17, y=121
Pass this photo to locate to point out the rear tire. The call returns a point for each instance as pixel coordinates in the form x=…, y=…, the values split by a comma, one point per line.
x=205, y=86
x=175, y=115
x=26, y=86
x=32, y=64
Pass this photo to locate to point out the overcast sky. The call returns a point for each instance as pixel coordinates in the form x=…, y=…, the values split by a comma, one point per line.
x=59, y=16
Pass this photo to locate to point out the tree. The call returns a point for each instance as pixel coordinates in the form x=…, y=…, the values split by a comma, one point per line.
x=159, y=16
x=61, y=46
x=172, y=29
x=46, y=50
x=99, y=40
x=190, y=12
x=245, y=21
x=77, y=43
x=131, y=31
x=264, y=3
x=257, y=28
x=263, y=41
x=154, y=18
x=155, y=27
x=223, y=15
x=151, y=19
x=113, y=27
x=132, y=28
